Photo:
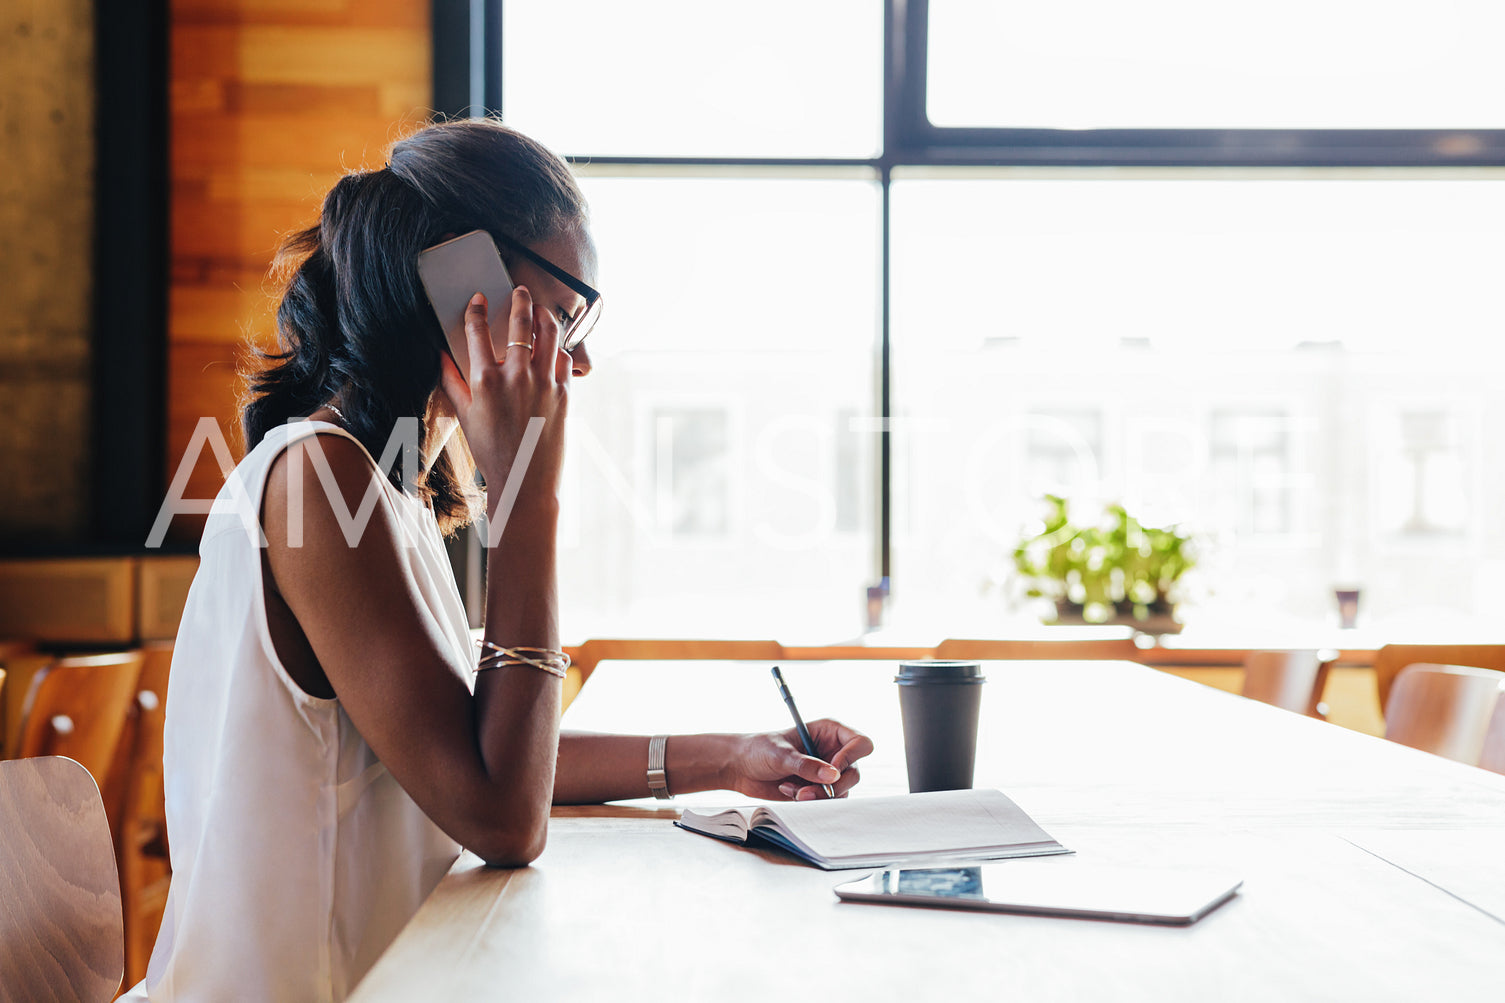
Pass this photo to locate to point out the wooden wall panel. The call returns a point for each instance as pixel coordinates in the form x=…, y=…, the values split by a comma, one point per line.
x=205, y=381
x=271, y=101
x=47, y=161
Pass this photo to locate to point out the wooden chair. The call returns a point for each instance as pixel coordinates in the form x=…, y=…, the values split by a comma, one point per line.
x=1293, y=680
x=598, y=649
x=77, y=707
x=1443, y=709
x=137, y=804
x=60, y=925
x=1493, y=756
x=1392, y=658
x=1095, y=648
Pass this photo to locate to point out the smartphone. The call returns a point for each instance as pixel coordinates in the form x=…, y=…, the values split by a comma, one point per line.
x=453, y=272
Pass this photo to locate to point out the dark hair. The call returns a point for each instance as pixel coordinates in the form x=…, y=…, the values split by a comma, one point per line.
x=353, y=315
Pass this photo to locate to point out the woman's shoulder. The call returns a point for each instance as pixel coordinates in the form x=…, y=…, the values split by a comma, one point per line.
x=243, y=496
x=321, y=471
x=297, y=438
x=323, y=452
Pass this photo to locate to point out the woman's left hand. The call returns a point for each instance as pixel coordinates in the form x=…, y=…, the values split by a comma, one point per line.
x=773, y=765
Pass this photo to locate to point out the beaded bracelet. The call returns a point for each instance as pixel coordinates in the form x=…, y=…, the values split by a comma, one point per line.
x=555, y=663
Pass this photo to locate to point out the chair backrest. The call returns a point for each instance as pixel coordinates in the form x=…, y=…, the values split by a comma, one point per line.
x=60, y=919
x=77, y=708
x=1392, y=658
x=140, y=738
x=143, y=796
x=1293, y=680
x=1493, y=756
x=1443, y=709
x=1093, y=648
x=141, y=831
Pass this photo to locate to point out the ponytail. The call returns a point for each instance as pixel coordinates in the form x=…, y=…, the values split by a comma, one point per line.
x=296, y=381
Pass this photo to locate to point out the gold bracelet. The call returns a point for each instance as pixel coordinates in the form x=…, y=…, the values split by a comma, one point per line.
x=549, y=653
x=555, y=663
x=541, y=666
x=499, y=661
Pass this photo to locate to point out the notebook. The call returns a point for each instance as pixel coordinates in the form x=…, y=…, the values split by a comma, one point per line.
x=866, y=832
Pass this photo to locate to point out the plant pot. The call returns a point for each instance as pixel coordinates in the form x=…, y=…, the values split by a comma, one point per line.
x=1159, y=618
x=1154, y=618
x=1068, y=613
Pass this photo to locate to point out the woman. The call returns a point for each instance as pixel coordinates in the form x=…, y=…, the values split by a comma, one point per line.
x=331, y=743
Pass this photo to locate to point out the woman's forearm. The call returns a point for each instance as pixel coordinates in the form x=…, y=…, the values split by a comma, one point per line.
x=594, y=768
x=517, y=707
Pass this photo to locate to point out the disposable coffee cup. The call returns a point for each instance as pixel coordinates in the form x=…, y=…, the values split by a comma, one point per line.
x=939, y=701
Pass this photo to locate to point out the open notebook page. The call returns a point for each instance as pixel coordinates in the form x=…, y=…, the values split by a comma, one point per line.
x=908, y=824
x=961, y=823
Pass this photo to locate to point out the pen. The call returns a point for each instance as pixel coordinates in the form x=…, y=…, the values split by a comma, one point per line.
x=799, y=723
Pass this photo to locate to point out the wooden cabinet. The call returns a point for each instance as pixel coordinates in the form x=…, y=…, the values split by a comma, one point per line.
x=84, y=600
x=94, y=600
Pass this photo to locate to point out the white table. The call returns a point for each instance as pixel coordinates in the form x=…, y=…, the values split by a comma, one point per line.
x=1367, y=865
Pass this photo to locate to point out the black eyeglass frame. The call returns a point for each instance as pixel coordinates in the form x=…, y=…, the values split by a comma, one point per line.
x=581, y=325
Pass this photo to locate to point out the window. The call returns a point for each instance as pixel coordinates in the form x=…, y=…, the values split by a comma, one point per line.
x=1188, y=64
x=685, y=78
x=1251, y=471
x=692, y=460
x=880, y=275
x=1423, y=457
x=743, y=327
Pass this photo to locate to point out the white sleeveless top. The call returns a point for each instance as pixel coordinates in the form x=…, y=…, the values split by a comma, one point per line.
x=296, y=857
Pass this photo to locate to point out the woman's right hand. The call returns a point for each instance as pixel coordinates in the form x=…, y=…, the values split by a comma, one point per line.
x=498, y=398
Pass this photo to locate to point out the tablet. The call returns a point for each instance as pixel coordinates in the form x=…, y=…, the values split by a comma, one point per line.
x=1053, y=887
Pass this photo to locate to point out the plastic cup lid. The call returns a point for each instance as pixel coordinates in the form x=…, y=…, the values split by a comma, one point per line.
x=939, y=671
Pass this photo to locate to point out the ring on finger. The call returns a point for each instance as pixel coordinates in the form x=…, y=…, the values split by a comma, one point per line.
x=525, y=344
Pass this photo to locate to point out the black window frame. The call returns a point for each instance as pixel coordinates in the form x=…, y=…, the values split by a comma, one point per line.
x=468, y=81
x=923, y=143
x=129, y=347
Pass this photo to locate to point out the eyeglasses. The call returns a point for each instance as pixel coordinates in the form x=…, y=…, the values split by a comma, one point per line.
x=581, y=325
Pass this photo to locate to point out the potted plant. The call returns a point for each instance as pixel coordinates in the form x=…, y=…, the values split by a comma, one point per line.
x=1119, y=571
